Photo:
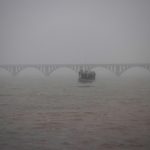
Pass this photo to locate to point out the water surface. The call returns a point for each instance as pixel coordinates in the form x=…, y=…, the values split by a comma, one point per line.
x=58, y=113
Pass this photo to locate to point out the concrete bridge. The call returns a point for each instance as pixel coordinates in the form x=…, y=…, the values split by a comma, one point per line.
x=47, y=69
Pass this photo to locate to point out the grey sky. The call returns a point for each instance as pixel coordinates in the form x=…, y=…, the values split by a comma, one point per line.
x=74, y=31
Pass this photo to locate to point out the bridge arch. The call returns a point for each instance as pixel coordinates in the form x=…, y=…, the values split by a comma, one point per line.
x=63, y=70
x=104, y=71
x=30, y=71
x=136, y=70
x=4, y=71
x=63, y=75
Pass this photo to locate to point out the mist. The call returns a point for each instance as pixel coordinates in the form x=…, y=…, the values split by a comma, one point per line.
x=74, y=31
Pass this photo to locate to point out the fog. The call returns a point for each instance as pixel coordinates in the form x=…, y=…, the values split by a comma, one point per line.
x=74, y=31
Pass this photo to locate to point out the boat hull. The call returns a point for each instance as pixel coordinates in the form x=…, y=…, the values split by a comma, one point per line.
x=86, y=80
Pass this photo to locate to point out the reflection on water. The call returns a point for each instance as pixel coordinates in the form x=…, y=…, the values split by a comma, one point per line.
x=59, y=113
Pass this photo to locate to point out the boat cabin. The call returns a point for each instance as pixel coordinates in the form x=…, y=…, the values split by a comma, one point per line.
x=86, y=75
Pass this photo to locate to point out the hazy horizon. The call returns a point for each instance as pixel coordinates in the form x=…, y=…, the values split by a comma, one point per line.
x=73, y=31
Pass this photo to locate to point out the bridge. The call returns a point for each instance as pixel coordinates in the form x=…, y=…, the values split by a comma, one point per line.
x=48, y=69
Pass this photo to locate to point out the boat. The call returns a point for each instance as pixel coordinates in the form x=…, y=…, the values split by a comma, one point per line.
x=86, y=76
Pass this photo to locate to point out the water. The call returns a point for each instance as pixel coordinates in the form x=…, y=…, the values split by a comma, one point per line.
x=58, y=113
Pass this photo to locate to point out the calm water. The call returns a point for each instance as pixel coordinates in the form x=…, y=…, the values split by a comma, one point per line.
x=58, y=113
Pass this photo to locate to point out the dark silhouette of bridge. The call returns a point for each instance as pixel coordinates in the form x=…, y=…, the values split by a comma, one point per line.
x=47, y=69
